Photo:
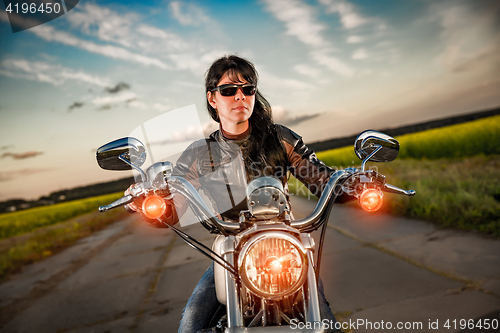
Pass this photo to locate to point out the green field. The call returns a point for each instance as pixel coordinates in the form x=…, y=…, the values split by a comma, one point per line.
x=37, y=233
x=457, y=141
x=17, y=223
x=462, y=193
x=455, y=171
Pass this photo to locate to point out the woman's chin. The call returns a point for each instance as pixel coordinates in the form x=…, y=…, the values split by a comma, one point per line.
x=241, y=117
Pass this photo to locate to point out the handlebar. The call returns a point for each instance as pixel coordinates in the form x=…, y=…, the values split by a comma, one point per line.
x=308, y=224
x=189, y=192
x=314, y=221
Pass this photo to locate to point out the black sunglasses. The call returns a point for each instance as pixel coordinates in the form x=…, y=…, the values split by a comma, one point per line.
x=231, y=89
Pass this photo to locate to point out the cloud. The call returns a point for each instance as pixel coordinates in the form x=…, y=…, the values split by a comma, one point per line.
x=181, y=54
x=161, y=107
x=124, y=29
x=129, y=99
x=86, y=16
x=360, y=54
x=292, y=121
x=349, y=17
x=83, y=77
x=194, y=61
x=50, y=34
x=125, y=36
x=299, y=20
x=307, y=70
x=465, y=42
x=21, y=156
x=166, y=39
x=13, y=174
x=6, y=147
x=75, y=105
x=143, y=43
x=280, y=115
x=187, y=14
x=123, y=97
x=134, y=103
x=104, y=23
x=105, y=107
x=279, y=112
x=382, y=51
x=35, y=71
x=210, y=126
x=282, y=86
x=482, y=57
x=116, y=89
x=323, y=57
x=354, y=39
x=190, y=133
x=46, y=72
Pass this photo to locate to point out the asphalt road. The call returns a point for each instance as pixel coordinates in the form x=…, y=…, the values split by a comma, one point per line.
x=376, y=268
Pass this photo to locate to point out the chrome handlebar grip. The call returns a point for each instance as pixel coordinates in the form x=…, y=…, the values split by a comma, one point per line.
x=120, y=202
x=393, y=189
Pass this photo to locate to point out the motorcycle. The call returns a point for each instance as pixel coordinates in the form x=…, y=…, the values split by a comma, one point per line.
x=265, y=271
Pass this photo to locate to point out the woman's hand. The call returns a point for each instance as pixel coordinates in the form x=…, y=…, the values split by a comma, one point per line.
x=135, y=205
x=169, y=218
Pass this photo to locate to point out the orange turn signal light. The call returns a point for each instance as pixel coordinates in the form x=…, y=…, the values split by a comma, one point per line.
x=371, y=200
x=154, y=207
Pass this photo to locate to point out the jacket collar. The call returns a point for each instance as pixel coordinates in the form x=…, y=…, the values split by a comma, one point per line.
x=236, y=137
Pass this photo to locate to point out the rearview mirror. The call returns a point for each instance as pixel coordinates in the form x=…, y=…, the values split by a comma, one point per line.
x=122, y=154
x=376, y=146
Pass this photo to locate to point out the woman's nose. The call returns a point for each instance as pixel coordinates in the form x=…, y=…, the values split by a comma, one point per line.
x=239, y=94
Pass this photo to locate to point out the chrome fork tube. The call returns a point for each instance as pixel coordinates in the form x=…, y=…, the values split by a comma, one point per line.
x=312, y=313
x=234, y=314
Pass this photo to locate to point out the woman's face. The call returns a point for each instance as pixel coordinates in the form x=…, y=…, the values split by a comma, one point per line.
x=235, y=109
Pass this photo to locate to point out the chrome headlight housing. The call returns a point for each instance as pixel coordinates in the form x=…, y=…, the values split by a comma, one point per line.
x=266, y=198
x=273, y=264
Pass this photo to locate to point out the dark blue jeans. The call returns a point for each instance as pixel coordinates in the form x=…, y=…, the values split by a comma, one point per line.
x=203, y=304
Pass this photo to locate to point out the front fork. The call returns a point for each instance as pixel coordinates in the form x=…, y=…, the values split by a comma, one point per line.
x=233, y=299
x=311, y=297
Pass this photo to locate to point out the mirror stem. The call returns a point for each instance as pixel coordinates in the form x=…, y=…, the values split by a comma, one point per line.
x=143, y=175
x=369, y=156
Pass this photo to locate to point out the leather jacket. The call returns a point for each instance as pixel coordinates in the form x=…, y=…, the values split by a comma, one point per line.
x=217, y=166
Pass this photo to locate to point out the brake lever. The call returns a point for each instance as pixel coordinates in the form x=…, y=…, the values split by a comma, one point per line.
x=393, y=189
x=120, y=202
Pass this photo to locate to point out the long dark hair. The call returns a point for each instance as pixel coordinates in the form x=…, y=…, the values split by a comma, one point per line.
x=273, y=154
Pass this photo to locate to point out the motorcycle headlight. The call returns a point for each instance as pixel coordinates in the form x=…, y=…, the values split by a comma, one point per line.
x=273, y=265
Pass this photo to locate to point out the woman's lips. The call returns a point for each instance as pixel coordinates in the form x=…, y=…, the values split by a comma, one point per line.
x=240, y=108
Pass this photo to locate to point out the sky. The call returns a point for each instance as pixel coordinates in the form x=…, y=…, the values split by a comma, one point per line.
x=329, y=68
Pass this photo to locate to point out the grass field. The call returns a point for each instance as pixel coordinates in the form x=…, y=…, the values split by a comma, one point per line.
x=462, y=193
x=34, y=234
x=17, y=223
x=17, y=251
x=457, y=141
x=455, y=171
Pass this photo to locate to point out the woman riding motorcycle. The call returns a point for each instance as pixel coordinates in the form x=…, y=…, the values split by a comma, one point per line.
x=267, y=149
